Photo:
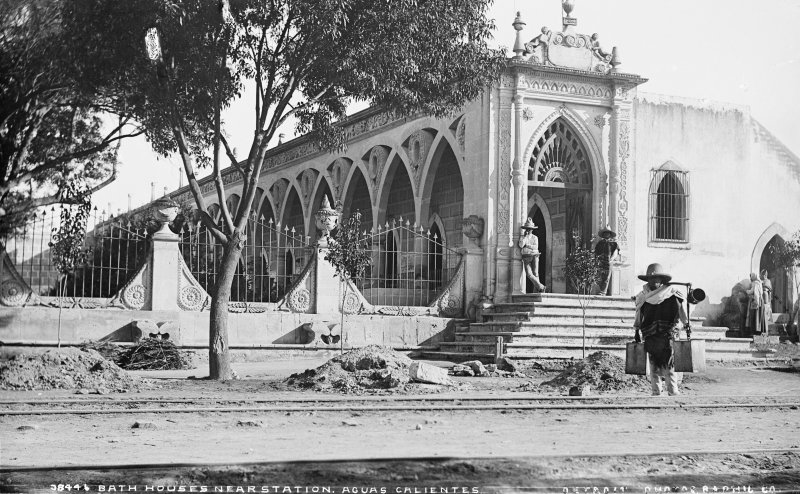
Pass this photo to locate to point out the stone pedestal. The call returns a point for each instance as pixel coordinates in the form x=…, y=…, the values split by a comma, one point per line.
x=165, y=264
x=328, y=286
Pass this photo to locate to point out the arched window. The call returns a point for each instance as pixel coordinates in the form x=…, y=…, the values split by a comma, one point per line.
x=669, y=205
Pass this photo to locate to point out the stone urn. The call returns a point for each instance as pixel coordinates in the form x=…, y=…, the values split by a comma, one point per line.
x=326, y=220
x=165, y=211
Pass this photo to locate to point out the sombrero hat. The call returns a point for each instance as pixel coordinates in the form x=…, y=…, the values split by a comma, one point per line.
x=606, y=231
x=529, y=225
x=655, y=270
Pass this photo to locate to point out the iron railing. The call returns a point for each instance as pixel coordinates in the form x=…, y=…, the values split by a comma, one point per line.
x=272, y=258
x=410, y=265
x=113, y=250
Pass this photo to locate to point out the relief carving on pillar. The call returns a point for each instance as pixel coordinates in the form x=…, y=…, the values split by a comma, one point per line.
x=624, y=152
x=417, y=148
x=504, y=187
x=278, y=193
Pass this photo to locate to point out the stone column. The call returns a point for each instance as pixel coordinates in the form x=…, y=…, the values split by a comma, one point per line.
x=519, y=182
x=620, y=204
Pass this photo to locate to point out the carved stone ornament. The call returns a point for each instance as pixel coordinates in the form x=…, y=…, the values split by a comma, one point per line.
x=419, y=143
x=351, y=303
x=300, y=300
x=307, y=180
x=451, y=301
x=461, y=132
x=326, y=218
x=191, y=295
x=504, y=177
x=472, y=227
x=165, y=210
x=527, y=113
x=134, y=295
x=278, y=193
x=191, y=298
x=300, y=296
x=375, y=163
x=12, y=293
x=338, y=172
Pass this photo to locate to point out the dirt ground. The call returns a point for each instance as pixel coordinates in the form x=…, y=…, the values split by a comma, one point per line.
x=489, y=450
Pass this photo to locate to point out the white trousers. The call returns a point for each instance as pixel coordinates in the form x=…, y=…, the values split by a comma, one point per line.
x=668, y=374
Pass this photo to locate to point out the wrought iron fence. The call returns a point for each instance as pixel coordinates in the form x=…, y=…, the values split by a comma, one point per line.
x=410, y=266
x=272, y=258
x=113, y=251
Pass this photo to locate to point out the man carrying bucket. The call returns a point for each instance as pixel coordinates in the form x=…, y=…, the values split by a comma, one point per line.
x=659, y=307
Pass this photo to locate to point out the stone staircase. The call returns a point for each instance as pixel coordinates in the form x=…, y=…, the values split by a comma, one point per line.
x=549, y=326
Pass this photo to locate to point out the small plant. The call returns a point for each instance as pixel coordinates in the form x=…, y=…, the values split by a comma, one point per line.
x=66, y=245
x=786, y=256
x=348, y=253
x=582, y=272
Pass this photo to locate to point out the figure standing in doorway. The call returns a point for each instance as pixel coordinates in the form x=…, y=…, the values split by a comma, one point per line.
x=606, y=250
x=766, y=286
x=529, y=246
x=659, y=307
x=755, y=305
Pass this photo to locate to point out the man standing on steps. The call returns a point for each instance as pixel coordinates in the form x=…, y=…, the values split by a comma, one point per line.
x=529, y=246
x=605, y=251
x=659, y=307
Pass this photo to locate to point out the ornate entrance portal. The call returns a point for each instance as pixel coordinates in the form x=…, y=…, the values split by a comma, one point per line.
x=559, y=173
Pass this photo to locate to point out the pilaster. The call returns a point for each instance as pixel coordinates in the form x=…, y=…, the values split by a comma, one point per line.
x=620, y=205
x=519, y=182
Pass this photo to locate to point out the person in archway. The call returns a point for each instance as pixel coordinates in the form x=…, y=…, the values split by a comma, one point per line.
x=659, y=308
x=606, y=251
x=755, y=305
x=529, y=246
x=766, y=287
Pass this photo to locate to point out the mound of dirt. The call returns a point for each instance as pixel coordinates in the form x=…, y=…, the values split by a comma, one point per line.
x=602, y=371
x=65, y=368
x=369, y=368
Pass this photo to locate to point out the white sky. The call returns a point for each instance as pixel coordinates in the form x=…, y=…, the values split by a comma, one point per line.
x=735, y=51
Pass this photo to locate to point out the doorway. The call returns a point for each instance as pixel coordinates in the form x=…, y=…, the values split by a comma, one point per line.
x=781, y=299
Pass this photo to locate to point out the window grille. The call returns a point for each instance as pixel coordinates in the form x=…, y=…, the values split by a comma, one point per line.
x=669, y=206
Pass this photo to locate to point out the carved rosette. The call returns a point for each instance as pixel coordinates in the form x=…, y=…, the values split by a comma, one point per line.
x=134, y=296
x=504, y=187
x=351, y=303
x=191, y=295
x=12, y=293
x=300, y=297
x=300, y=300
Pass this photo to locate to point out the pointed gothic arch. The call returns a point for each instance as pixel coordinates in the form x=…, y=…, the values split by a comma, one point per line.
x=358, y=196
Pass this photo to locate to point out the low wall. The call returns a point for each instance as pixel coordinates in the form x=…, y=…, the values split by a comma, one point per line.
x=39, y=325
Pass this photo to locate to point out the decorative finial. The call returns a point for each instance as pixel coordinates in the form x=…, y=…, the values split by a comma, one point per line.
x=615, y=59
x=519, y=46
x=568, y=6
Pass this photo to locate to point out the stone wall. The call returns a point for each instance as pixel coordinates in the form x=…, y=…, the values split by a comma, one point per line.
x=39, y=325
x=741, y=188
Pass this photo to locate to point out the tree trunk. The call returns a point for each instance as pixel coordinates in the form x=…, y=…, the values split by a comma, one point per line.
x=219, y=359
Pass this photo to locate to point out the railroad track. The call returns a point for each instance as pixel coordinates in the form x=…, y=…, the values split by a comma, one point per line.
x=98, y=406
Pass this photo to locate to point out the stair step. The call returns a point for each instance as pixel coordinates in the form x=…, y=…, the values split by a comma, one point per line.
x=626, y=336
x=507, y=316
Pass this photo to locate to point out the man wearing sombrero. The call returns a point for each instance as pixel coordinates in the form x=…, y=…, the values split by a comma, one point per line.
x=529, y=246
x=659, y=307
x=606, y=250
